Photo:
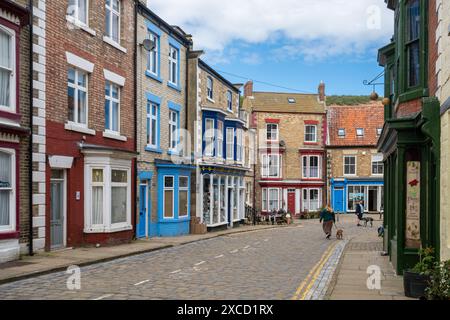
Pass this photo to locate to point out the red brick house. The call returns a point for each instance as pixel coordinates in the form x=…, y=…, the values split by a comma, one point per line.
x=14, y=128
x=88, y=137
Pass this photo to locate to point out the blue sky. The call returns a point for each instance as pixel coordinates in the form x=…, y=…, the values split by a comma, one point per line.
x=289, y=43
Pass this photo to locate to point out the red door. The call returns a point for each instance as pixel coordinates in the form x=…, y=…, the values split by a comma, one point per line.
x=291, y=202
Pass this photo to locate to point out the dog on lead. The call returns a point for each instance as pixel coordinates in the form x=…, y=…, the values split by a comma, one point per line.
x=367, y=220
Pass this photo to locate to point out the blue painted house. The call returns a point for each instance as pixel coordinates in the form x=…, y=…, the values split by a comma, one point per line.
x=355, y=168
x=164, y=170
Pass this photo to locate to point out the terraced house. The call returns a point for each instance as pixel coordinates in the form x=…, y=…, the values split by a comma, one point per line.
x=355, y=167
x=84, y=141
x=291, y=133
x=164, y=170
x=410, y=140
x=219, y=132
x=15, y=217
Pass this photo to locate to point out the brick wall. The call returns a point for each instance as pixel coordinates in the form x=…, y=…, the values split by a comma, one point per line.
x=363, y=161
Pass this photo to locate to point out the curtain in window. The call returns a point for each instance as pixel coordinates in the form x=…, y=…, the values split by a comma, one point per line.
x=5, y=191
x=5, y=63
x=168, y=203
x=118, y=204
x=97, y=205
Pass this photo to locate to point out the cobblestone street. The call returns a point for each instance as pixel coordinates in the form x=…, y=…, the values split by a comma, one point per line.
x=266, y=264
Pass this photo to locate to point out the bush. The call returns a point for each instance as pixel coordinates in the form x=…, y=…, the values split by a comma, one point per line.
x=439, y=286
x=426, y=263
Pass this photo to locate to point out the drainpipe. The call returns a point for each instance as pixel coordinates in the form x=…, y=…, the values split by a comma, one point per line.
x=30, y=145
x=135, y=115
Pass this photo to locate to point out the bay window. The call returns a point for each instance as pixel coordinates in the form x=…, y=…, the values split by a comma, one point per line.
x=311, y=167
x=112, y=107
x=220, y=139
x=7, y=190
x=113, y=20
x=7, y=70
x=183, y=196
x=168, y=201
x=108, y=195
x=209, y=137
x=78, y=10
x=230, y=143
x=77, y=87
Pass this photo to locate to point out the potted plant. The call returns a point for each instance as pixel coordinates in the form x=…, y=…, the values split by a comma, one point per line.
x=439, y=285
x=416, y=280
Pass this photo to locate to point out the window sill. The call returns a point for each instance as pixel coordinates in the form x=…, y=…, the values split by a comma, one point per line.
x=154, y=77
x=411, y=95
x=152, y=149
x=114, y=44
x=174, y=153
x=81, y=25
x=115, y=136
x=174, y=220
x=77, y=128
x=173, y=86
x=210, y=100
x=108, y=229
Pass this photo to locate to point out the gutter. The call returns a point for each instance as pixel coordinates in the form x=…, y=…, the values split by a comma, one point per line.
x=136, y=3
x=30, y=145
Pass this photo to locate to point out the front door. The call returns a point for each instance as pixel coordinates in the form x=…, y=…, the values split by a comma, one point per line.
x=291, y=202
x=143, y=224
x=57, y=209
x=338, y=199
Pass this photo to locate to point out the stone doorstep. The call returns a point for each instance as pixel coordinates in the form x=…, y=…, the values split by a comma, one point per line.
x=50, y=262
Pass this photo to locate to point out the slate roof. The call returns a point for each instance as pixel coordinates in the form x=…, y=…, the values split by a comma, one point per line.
x=369, y=116
x=279, y=102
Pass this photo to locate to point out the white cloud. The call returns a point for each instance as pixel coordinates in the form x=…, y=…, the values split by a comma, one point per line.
x=311, y=28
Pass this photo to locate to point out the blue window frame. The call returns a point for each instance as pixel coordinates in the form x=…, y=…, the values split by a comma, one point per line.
x=174, y=80
x=153, y=123
x=174, y=128
x=154, y=57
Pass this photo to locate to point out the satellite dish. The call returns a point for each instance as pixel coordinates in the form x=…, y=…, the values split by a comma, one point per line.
x=148, y=45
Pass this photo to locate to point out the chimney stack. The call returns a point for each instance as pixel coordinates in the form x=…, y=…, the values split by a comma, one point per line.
x=248, y=89
x=322, y=91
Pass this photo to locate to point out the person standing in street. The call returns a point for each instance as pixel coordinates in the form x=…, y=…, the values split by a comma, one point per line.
x=359, y=212
x=328, y=217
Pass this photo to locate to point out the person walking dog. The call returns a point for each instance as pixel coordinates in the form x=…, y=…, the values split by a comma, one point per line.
x=328, y=217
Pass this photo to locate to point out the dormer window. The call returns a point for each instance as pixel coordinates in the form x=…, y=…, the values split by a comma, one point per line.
x=360, y=132
x=379, y=131
x=341, y=133
x=291, y=100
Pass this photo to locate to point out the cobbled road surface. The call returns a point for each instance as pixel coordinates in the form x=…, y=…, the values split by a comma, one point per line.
x=267, y=265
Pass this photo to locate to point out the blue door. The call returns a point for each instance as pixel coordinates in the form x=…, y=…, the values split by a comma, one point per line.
x=338, y=199
x=142, y=229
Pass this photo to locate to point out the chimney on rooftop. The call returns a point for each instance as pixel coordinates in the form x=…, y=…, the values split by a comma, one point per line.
x=248, y=89
x=322, y=91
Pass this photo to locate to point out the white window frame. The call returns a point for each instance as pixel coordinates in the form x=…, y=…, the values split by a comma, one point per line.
x=78, y=88
x=374, y=160
x=173, y=79
x=112, y=100
x=314, y=134
x=210, y=88
x=267, y=192
x=306, y=203
x=187, y=191
x=360, y=132
x=12, y=197
x=356, y=166
x=379, y=131
x=277, y=132
x=151, y=117
x=209, y=137
x=220, y=126
x=265, y=168
x=341, y=131
x=76, y=14
x=173, y=130
x=308, y=167
x=107, y=165
x=230, y=100
x=230, y=143
x=164, y=197
x=239, y=145
x=153, y=53
x=113, y=12
x=13, y=83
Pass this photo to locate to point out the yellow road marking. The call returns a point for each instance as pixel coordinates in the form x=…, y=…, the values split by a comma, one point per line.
x=314, y=278
x=304, y=282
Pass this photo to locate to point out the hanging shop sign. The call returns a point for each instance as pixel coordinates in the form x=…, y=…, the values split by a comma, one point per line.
x=412, y=237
